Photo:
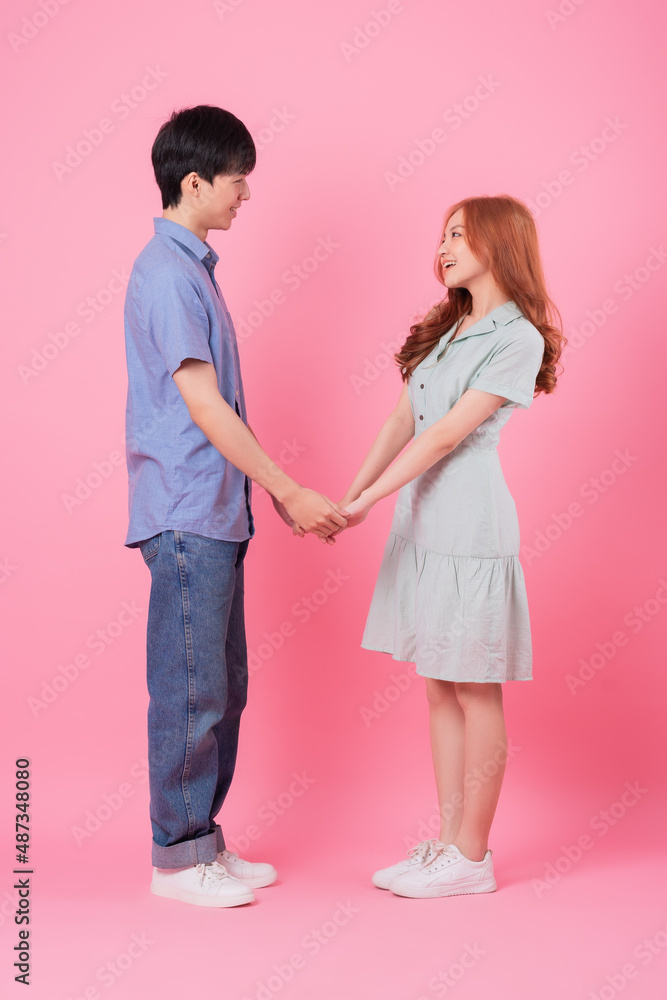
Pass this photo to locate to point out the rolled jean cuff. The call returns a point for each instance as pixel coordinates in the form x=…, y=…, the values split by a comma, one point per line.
x=189, y=852
x=220, y=840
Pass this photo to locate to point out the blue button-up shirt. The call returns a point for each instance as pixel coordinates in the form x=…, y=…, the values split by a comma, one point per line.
x=174, y=310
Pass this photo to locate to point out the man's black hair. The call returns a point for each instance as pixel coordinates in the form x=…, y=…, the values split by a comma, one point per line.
x=205, y=139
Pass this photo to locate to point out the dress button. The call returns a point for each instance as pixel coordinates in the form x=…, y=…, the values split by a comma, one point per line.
x=421, y=417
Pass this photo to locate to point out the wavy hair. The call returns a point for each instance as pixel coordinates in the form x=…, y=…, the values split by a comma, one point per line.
x=501, y=233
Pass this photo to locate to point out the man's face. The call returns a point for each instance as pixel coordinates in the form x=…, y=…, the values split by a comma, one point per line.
x=221, y=200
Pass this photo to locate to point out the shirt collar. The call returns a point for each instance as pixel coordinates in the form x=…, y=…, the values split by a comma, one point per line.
x=202, y=251
x=500, y=316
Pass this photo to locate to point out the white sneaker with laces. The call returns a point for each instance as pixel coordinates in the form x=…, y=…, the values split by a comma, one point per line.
x=254, y=874
x=416, y=857
x=447, y=873
x=203, y=885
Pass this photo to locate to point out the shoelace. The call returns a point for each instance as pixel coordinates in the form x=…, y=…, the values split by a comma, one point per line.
x=421, y=851
x=212, y=870
x=439, y=850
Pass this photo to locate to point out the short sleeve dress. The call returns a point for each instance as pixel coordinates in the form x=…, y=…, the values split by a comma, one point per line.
x=450, y=594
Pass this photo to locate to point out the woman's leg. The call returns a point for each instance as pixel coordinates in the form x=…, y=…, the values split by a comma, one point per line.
x=484, y=767
x=447, y=722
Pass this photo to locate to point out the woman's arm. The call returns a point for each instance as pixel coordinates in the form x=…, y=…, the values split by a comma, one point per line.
x=397, y=430
x=472, y=409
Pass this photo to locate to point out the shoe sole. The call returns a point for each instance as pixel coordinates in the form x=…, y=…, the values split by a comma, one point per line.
x=432, y=892
x=192, y=897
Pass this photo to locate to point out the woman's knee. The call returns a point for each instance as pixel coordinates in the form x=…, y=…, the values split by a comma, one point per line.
x=439, y=692
x=471, y=693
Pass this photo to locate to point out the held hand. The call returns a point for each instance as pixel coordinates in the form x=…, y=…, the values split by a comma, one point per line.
x=282, y=512
x=357, y=511
x=313, y=512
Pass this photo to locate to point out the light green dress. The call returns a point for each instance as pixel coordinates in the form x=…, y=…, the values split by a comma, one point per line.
x=450, y=594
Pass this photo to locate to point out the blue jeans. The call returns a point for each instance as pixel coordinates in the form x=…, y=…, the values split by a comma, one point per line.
x=197, y=683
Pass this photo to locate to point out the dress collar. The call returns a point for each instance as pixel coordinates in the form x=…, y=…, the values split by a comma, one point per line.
x=500, y=316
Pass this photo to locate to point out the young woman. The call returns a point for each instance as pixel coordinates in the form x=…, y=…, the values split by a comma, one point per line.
x=450, y=594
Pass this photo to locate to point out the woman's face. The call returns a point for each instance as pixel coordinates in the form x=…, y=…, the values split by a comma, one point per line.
x=459, y=265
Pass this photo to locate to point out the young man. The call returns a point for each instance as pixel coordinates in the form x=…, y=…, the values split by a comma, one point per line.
x=191, y=456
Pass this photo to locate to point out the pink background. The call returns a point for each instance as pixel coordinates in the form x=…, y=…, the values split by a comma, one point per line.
x=337, y=101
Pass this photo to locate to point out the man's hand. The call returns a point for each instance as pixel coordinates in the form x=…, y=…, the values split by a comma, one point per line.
x=280, y=510
x=313, y=512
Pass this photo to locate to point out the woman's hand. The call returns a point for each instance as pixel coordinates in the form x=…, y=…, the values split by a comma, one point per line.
x=356, y=510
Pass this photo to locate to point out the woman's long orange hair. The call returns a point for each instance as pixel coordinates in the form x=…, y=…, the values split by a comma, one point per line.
x=501, y=233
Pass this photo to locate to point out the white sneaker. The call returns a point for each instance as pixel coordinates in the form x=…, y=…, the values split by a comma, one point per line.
x=254, y=874
x=448, y=873
x=416, y=857
x=204, y=885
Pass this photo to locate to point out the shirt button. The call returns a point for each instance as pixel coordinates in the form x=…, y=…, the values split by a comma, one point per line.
x=421, y=417
x=421, y=386
x=208, y=256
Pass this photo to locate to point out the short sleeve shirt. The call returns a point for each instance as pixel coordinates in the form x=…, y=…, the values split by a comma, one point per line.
x=174, y=310
x=501, y=354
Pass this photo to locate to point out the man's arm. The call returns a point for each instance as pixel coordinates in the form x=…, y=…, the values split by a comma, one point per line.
x=198, y=385
x=279, y=507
